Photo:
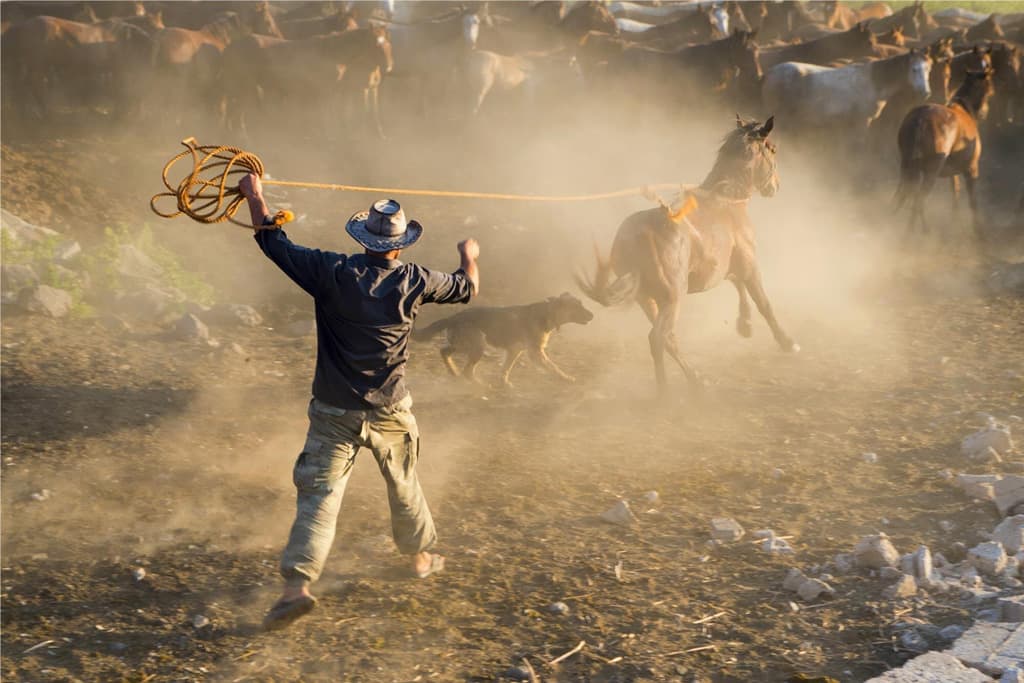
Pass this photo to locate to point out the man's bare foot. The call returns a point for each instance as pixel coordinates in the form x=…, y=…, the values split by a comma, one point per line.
x=424, y=564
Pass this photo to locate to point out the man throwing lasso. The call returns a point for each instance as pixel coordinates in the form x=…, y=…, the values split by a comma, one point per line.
x=365, y=306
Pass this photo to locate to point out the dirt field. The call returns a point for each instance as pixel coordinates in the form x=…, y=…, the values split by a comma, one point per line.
x=176, y=458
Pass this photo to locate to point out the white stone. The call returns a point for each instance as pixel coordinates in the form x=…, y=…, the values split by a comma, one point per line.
x=67, y=251
x=869, y=458
x=994, y=435
x=1008, y=493
x=889, y=573
x=236, y=314
x=138, y=573
x=811, y=589
x=875, y=552
x=905, y=587
x=923, y=563
x=978, y=485
x=199, y=621
x=988, y=557
x=932, y=667
x=726, y=529
x=991, y=648
x=651, y=497
x=23, y=231
x=620, y=514
x=132, y=262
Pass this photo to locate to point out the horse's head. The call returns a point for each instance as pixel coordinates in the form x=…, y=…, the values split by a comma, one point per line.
x=382, y=40
x=919, y=67
x=861, y=41
x=940, y=76
x=916, y=20
x=720, y=19
x=86, y=15
x=152, y=21
x=470, y=27
x=745, y=55
x=894, y=36
x=989, y=29
x=974, y=93
x=589, y=16
x=746, y=162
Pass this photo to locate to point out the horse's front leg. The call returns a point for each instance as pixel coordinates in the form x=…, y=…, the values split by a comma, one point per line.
x=666, y=326
x=971, y=181
x=743, y=326
x=755, y=288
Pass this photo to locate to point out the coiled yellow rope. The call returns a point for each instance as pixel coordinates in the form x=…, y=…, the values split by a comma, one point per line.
x=210, y=194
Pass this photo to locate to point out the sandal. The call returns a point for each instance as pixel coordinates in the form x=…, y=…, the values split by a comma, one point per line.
x=285, y=612
x=436, y=565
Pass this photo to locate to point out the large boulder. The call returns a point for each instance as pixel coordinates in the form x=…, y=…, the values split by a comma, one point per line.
x=46, y=300
x=22, y=231
x=17, y=276
x=1010, y=533
x=133, y=263
x=149, y=303
x=190, y=328
x=994, y=435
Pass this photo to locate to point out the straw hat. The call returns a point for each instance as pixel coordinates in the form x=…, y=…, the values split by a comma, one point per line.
x=383, y=227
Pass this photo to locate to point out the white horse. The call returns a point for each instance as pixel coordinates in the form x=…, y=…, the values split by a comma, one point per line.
x=487, y=71
x=632, y=27
x=819, y=96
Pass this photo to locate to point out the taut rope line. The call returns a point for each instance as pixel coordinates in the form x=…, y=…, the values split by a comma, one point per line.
x=210, y=194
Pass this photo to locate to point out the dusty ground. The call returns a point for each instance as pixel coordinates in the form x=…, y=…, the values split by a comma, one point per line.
x=176, y=458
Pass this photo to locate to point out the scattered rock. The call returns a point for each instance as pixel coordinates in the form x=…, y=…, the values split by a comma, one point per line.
x=1008, y=493
x=132, y=262
x=1010, y=532
x=987, y=558
x=875, y=552
x=991, y=648
x=236, y=348
x=22, y=231
x=946, y=525
x=844, y=563
x=118, y=647
x=932, y=667
x=778, y=474
x=148, y=303
x=869, y=458
x=40, y=496
x=913, y=641
x=794, y=579
x=651, y=497
x=772, y=543
x=46, y=300
x=200, y=621
x=138, y=573
x=517, y=673
x=951, y=632
x=923, y=566
x=889, y=573
x=558, y=608
x=190, y=328
x=905, y=587
x=1011, y=609
x=17, y=276
x=619, y=514
x=726, y=530
x=67, y=251
x=1012, y=674
x=994, y=435
x=978, y=485
x=811, y=589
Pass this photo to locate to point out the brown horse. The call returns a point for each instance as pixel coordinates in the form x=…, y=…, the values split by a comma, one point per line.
x=989, y=29
x=914, y=19
x=694, y=27
x=943, y=140
x=348, y=65
x=655, y=257
x=857, y=42
x=295, y=29
x=839, y=15
x=43, y=53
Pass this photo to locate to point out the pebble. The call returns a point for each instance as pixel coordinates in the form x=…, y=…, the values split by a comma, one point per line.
x=913, y=641
x=651, y=498
x=619, y=514
x=726, y=529
x=988, y=557
x=951, y=632
x=875, y=552
x=138, y=573
x=946, y=525
x=558, y=608
x=517, y=673
x=199, y=621
x=869, y=458
x=904, y=588
x=40, y=496
x=811, y=589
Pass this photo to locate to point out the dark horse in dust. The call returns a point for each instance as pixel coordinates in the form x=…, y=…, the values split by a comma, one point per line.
x=658, y=255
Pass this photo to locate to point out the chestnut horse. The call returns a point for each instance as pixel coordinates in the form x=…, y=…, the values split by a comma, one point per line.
x=943, y=140
x=658, y=255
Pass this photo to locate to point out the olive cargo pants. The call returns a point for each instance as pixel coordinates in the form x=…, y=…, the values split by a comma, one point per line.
x=322, y=471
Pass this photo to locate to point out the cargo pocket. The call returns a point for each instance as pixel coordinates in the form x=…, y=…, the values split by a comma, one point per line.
x=310, y=471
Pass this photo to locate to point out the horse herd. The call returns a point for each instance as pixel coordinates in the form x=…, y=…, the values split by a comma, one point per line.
x=860, y=78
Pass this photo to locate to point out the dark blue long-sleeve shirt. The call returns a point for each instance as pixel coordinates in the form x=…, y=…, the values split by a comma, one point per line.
x=365, y=307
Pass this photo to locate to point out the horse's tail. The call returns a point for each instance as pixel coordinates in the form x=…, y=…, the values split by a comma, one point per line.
x=432, y=330
x=603, y=289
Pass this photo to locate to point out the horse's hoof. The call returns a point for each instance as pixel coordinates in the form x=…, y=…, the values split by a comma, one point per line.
x=745, y=329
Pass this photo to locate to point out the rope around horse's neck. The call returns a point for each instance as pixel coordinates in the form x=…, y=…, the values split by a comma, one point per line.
x=209, y=192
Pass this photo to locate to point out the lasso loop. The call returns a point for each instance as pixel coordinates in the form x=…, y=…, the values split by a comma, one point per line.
x=210, y=194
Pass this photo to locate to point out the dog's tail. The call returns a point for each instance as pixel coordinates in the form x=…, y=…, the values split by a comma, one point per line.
x=603, y=288
x=432, y=330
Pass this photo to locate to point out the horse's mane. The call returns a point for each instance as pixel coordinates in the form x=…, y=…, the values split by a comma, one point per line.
x=892, y=67
x=734, y=144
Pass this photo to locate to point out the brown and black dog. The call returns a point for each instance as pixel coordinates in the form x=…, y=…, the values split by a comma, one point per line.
x=516, y=329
